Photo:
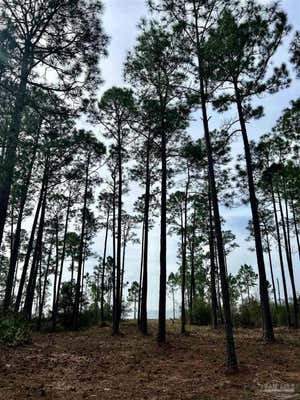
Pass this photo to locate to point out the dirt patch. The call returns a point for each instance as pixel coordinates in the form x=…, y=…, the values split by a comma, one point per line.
x=94, y=365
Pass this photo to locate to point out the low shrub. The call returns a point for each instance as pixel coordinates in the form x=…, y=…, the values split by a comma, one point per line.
x=14, y=330
x=248, y=315
x=201, y=314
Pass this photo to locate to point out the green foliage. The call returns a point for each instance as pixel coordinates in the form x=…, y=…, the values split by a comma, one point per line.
x=201, y=314
x=295, y=52
x=246, y=279
x=14, y=330
x=279, y=314
x=248, y=315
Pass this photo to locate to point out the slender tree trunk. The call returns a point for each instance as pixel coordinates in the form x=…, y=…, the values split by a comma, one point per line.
x=264, y=295
x=45, y=286
x=15, y=279
x=122, y=274
x=103, y=268
x=182, y=272
x=193, y=286
x=289, y=262
x=173, y=298
x=114, y=252
x=220, y=307
x=116, y=321
x=30, y=243
x=271, y=269
x=161, y=336
x=231, y=354
x=144, y=323
x=184, y=251
x=72, y=270
x=17, y=236
x=279, y=296
x=214, y=301
x=12, y=137
x=81, y=249
x=36, y=257
x=287, y=218
x=55, y=275
x=141, y=276
x=286, y=299
x=56, y=299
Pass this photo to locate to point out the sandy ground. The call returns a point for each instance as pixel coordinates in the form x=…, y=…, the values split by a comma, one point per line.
x=92, y=364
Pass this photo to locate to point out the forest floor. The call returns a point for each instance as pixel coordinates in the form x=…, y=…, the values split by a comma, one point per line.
x=91, y=364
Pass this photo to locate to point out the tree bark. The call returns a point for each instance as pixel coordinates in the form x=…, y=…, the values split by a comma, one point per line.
x=31, y=240
x=45, y=286
x=214, y=301
x=286, y=299
x=117, y=315
x=55, y=275
x=264, y=295
x=161, y=336
x=12, y=138
x=144, y=323
x=103, y=268
x=231, y=354
x=192, y=284
x=296, y=226
x=141, y=277
x=184, y=250
x=56, y=298
x=17, y=236
x=271, y=269
x=289, y=262
x=36, y=257
x=81, y=249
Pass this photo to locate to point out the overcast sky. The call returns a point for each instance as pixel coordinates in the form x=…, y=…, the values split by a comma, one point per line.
x=120, y=23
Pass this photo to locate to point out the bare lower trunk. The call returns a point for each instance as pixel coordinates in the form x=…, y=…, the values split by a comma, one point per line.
x=263, y=284
x=161, y=336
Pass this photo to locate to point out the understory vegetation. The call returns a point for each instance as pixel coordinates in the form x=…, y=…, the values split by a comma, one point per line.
x=87, y=175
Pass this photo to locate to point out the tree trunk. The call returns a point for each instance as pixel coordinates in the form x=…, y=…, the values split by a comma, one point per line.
x=114, y=252
x=55, y=304
x=45, y=286
x=184, y=257
x=231, y=354
x=81, y=249
x=161, y=336
x=122, y=274
x=289, y=262
x=103, y=268
x=279, y=297
x=214, y=301
x=286, y=299
x=271, y=269
x=55, y=275
x=17, y=236
x=30, y=243
x=117, y=315
x=296, y=227
x=141, y=276
x=264, y=295
x=36, y=257
x=144, y=323
x=12, y=137
x=193, y=286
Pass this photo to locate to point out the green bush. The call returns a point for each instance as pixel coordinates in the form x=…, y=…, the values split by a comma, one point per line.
x=279, y=315
x=248, y=315
x=14, y=330
x=201, y=314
